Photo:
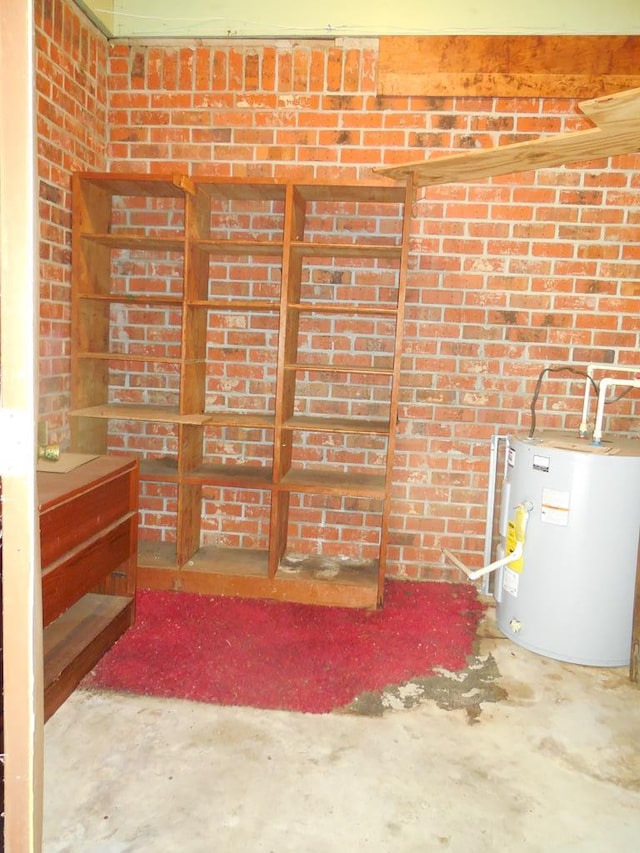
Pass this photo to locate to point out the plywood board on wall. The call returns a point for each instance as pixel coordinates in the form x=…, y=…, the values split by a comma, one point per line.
x=508, y=66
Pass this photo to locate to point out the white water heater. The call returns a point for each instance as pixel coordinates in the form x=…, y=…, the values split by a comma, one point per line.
x=572, y=512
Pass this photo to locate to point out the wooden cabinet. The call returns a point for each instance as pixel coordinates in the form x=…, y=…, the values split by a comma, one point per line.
x=243, y=339
x=88, y=535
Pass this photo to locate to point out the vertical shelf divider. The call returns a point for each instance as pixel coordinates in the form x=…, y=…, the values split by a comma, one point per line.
x=285, y=381
x=395, y=384
x=192, y=372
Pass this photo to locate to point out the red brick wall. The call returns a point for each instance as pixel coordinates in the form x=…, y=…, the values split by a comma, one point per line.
x=507, y=276
x=70, y=58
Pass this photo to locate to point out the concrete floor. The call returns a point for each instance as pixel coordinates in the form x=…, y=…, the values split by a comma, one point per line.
x=518, y=753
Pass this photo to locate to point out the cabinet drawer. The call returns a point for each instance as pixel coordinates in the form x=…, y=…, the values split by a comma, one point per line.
x=82, y=516
x=83, y=568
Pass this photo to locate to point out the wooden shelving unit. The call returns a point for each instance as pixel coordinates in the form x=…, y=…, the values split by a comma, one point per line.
x=243, y=339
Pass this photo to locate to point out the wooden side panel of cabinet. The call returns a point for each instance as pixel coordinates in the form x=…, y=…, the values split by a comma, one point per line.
x=88, y=531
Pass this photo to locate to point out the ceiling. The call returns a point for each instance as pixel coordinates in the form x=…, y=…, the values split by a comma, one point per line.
x=334, y=18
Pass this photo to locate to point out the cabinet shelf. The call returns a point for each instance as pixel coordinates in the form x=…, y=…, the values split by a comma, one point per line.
x=235, y=305
x=132, y=184
x=132, y=299
x=234, y=476
x=276, y=310
x=76, y=641
x=338, y=425
x=239, y=247
x=352, y=309
x=156, y=555
x=334, y=482
x=341, y=572
x=344, y=192
x=241, y=419
x=229, y=561
x=128, y=356
x=163, y=469
x=138, y=242
x=124, y=412
x=339, y=368
x=344, y=250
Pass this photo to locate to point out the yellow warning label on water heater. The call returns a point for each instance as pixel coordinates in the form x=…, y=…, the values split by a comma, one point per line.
x=511, y=543
x=515, y=535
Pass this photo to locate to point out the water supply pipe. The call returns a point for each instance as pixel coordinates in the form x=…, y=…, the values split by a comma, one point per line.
x=520, y=525
x=604, y=385
x=491, y=499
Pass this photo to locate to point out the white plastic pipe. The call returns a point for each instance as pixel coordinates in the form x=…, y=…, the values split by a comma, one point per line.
x=485, y=570
x=525, y=507
x=605, y=384
x=591, y=368
x=585, y=404
x=491, y=497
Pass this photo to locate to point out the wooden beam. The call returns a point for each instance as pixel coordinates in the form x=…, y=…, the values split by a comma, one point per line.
x=508, y=66
x=618, y=133
x=619, y=110
x=22, y=586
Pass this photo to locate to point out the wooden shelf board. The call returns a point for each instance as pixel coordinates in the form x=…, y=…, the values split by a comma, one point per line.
x=76, y=640
x=329, y=570
x=352, y=309
x=238, y=189
x=127, y=357
x=232, y=475
x=228, y=561
x=334, y=482
x=364, y=192
x=132, y=299
x=263, y=420
x=140, y=184
x=165, y=469
x=137, y=242
x=344, y=250
x=243, y=573
x=234, y=304
x=154, y=414
x=153, y=554
x=357, y=426
x=339, y=368
x=240, y=248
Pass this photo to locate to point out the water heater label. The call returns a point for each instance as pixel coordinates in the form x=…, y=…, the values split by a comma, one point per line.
x=541, y=463
x=555, y=507
x=510, y=581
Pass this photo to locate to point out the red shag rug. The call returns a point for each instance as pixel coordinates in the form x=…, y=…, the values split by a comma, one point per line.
x=296, y=657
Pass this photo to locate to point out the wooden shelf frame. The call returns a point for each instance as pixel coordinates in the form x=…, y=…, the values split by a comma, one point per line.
x=283, y=221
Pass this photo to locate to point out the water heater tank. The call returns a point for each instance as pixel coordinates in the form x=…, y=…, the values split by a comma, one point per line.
x=570, y=596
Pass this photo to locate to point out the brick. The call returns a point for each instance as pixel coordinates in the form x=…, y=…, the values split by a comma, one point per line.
x=301, y=77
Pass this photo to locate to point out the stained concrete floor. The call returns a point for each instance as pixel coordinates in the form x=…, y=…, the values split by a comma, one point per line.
x=517, y=753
